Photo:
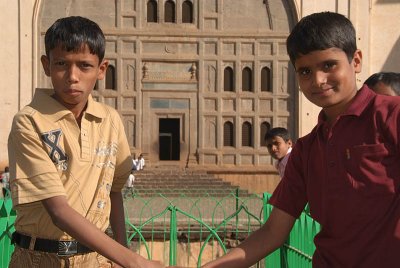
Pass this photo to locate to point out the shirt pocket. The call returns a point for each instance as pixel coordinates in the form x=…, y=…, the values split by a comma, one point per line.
x=367, y=167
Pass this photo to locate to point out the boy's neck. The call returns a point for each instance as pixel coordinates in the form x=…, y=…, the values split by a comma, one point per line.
x=76, y=109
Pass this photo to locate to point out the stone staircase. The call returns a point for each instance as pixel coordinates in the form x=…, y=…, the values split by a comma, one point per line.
x=173, y=181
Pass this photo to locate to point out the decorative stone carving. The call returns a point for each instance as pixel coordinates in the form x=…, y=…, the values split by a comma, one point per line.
x=145, y=70
x=193, y=71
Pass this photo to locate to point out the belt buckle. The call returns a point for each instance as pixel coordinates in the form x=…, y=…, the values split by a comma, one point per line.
x=67, y=248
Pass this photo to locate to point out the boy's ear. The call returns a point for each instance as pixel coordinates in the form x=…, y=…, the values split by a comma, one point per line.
x=46, y=64
x=102, y=69
x=289, y=142
x=357, y=61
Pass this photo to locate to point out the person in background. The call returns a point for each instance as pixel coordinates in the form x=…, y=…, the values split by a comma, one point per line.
x=279, y=145
x=5, y=180
x=347, y=169
x=129, y=184
x=69, y=160
x=141, y=162
x=385, y=83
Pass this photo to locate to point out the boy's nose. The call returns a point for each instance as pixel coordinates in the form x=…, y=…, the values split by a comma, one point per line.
x=320, y=78
x=72, y=74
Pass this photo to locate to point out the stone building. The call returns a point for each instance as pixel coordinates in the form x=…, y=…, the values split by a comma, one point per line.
x=197, y=82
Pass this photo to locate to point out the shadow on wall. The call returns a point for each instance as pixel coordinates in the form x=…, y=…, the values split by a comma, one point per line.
x=392, y=62
x=387, y=1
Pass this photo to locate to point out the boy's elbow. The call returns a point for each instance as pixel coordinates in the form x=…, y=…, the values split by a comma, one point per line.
x=57, y=208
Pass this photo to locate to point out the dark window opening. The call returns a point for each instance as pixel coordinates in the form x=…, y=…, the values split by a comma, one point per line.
x=110, y=78
x=187, y=12
x=247, y=134
x=247, y=79
x=169, y=11
x=266, y=79
x=229, y=79
x=228, y=134
x=265, y=126
x=152, y=11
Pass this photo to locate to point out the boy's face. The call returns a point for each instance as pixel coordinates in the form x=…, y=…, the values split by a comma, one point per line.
x=327, y=79
x=73, y=74
x=278, y=147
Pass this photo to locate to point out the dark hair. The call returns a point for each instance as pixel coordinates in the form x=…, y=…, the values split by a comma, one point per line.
x=278, y=132
x=321, y=31
x=73, y=32
x=388, y=78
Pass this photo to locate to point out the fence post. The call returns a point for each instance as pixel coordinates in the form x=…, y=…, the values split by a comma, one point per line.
x=237, y=208
x=173, y=240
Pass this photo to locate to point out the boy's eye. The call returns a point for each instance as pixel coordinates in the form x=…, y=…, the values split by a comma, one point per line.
x=59, y=63
x=304, y=72
x=329, y=65
x=85, y=65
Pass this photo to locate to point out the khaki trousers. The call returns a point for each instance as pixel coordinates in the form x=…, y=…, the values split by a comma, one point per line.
x=37, y=259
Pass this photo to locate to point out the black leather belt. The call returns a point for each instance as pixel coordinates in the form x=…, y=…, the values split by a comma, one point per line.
x=62, y=248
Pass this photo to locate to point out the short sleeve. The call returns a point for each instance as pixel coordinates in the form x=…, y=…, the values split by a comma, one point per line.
x=33, y=175
x=123, y=165
x=291, y=192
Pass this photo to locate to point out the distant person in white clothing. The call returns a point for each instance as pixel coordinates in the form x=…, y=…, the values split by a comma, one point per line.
x=5, y=179
x=138, y=164
x=141, y=161
x=279, y=145
x=129, y=184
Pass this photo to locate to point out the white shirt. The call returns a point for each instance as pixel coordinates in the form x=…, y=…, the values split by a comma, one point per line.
x=130, y=181
x=281, y=164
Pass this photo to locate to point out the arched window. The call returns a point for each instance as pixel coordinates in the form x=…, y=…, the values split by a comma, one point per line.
x=247, y=134
x=110, y=77
x=229, y=79
x=265, y=126
x=228, y=134
x=266, y=79
x=247, y=79
x=187, y=12
x=169, y=9
x=152, y=11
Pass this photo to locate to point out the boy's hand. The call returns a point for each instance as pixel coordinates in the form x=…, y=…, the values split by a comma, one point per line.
x=149, y=264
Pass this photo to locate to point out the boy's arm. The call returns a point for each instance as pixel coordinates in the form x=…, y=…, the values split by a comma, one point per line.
x=259, y=244
x=70, y=221
x=117, y=218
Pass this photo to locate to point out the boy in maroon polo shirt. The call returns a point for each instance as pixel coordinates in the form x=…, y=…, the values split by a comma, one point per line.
x=347, y=168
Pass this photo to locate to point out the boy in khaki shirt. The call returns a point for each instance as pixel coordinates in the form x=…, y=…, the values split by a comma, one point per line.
x=69, y=159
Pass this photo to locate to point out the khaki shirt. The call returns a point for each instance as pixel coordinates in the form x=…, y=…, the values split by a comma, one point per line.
x=51, y=156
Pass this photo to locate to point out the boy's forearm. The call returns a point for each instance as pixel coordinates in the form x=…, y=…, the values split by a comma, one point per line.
x=70, y=221
x=117, y=218
x=259, y=244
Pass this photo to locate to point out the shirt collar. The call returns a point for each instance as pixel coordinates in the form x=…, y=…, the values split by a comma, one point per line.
x=43, y=102
x=358, y=104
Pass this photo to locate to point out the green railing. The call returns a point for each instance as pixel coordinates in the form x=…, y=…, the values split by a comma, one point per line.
x=179, y=229
x=7, y=218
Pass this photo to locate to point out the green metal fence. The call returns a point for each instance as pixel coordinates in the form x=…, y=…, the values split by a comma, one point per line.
x=179, y=229
x=7, y=218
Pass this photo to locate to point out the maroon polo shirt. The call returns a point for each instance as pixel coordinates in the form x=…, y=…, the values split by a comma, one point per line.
x=350, y=176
